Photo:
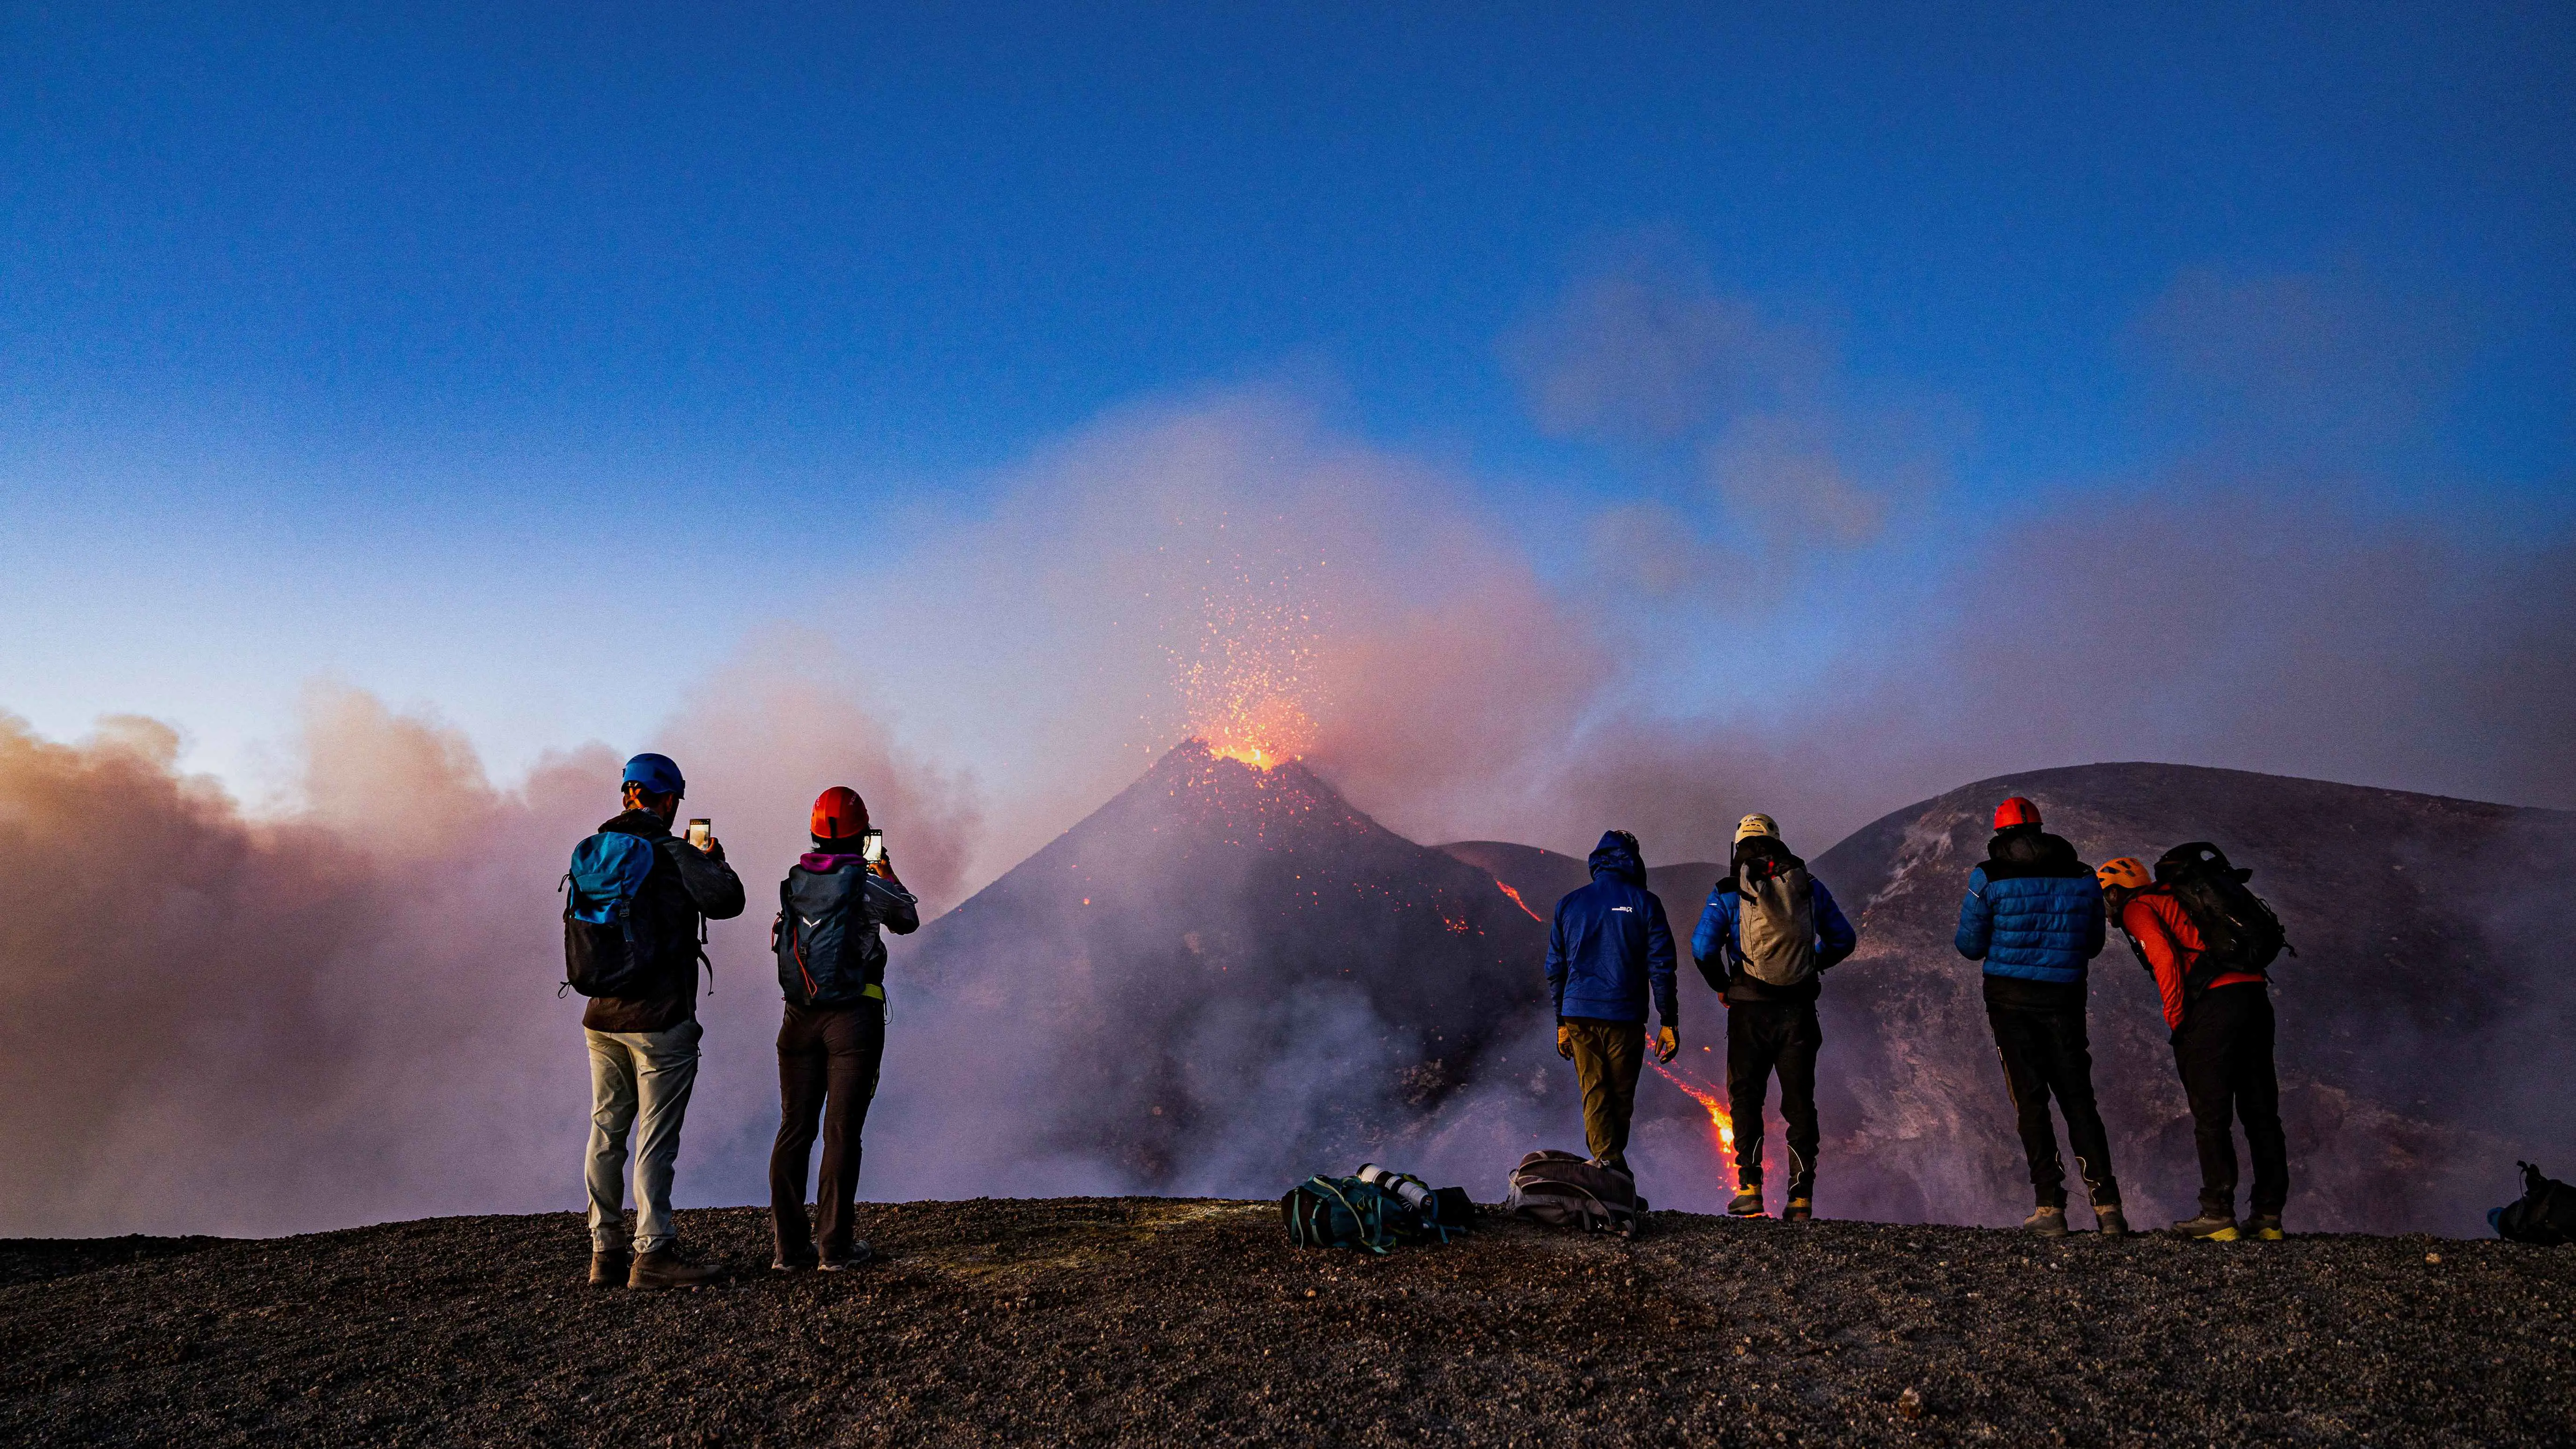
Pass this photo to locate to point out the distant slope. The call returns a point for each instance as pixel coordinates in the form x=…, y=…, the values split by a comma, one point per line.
x=2424, y=1025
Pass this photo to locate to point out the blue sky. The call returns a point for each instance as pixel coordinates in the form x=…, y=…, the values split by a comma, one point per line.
x=386, y=345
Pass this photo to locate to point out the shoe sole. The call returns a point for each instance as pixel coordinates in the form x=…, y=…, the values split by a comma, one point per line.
x=2271, y=1235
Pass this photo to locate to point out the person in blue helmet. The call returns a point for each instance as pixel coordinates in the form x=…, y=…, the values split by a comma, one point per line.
x=1609, y=950
x=644, y=1041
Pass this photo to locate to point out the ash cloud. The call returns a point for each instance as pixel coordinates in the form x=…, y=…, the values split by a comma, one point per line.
x=222, y=1022
x=216, y=1023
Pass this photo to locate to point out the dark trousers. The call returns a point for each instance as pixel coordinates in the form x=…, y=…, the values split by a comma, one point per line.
x=2045, y=1052
x=2224, y=1052
x=1607, y=1057
x=827, y=1072
x=1763, y=1037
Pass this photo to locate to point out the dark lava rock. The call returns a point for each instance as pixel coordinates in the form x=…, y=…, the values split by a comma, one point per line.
x=1192, y=1321
x=1222, y=964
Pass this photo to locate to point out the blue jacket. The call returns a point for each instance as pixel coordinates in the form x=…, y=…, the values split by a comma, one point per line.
x=2033, y=911
x=1611, y=945
x=1714, y=943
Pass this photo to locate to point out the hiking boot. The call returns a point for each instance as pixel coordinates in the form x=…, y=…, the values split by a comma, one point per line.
x=1799, y=1210
x=666, y=1268
x=1747, y=1204
x=2209, y=1227
x=2048, y=1222
x=859, y=1254
x=607, y=1270
x=2109, y=1221
x=2265, y=1226
x=791, y=1265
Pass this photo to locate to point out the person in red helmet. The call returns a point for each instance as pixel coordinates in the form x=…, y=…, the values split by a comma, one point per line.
x=831, y=969
x=2033, y=915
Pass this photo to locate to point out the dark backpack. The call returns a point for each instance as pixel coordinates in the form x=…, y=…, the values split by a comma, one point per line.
x=2544, y=1217
x=829, y=952
x=1345, y=1212
x=609, y=949
x=1563, y=1190
x=2238, y=932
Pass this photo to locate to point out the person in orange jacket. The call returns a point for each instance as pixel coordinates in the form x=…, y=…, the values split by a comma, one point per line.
x=2222, y=1027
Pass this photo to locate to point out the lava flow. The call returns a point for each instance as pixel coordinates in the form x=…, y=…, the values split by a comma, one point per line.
x=1718, y=1117
x=1524, y=905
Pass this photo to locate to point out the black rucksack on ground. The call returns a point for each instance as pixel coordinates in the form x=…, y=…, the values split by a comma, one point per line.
x=2238, y=932
x=1563, y=1190
x=2545, y=1216
x=1380, y=1211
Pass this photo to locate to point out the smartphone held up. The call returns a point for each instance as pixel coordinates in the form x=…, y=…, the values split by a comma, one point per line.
x=701, y=832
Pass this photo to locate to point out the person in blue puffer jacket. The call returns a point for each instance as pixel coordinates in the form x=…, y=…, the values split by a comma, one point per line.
x=1608, y=951
x=2033, y=914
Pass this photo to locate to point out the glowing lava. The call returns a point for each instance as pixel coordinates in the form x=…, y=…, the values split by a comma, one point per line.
x=1719, y=1119
x=1246, y=675
x=1524, y=905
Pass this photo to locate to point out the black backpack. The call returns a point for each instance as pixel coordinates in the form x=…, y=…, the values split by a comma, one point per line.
x=2545, y=1217
x=2238, y=932
x=829, y=950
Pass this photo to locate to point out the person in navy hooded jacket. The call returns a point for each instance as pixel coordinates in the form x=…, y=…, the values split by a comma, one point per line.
x=2033, y=914
x=1608, y=951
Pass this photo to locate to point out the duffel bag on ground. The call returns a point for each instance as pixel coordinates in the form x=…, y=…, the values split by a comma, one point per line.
x=1564, y=1190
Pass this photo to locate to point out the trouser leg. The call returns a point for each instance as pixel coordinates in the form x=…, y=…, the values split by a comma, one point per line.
x=856, y=1040
x=2070, y=1067
x=1803, y=1036
x=2018, y=1044
x=801, y=1082
x=1607, y=1058
x=2201, y=1057
x=667, y=1074
x=612, y=1112
x=1748, y=1082
x=2258, y=1104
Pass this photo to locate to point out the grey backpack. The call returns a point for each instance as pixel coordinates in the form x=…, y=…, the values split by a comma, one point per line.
x=1566, y=1191
x=1775, y=924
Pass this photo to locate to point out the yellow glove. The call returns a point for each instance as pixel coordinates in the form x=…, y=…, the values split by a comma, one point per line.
x=1668, y=1043
x=1565, y=1041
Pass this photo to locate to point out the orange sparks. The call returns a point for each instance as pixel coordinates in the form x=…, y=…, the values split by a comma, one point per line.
x=1246, y=676
x=1718, y=1118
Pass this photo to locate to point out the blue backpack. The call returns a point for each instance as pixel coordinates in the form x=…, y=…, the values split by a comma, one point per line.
x=607, y=950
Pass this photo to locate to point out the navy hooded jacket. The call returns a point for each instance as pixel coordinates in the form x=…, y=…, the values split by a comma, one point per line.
x=1611, y=945
x=2033, y=911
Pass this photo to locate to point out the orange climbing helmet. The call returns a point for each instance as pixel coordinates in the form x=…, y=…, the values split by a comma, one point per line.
x=2128, y=873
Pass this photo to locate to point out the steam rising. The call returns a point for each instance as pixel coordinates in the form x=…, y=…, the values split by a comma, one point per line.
x=215, y=1021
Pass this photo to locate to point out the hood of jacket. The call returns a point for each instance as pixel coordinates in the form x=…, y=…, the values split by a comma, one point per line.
x=824, y=862
x=1614, y=859
x=638, y=822
x=2028, y=845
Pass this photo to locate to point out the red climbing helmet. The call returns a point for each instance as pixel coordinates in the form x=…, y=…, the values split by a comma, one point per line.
x=2015, y=811
x=839, y=814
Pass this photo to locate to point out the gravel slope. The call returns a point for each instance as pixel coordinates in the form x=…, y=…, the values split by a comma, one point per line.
x=1178, y=1321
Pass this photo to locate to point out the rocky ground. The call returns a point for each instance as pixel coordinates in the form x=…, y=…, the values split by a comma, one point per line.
x=1171, y=1321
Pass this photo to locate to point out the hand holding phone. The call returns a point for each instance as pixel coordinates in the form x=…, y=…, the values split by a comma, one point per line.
x=702, y=834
